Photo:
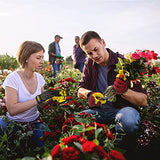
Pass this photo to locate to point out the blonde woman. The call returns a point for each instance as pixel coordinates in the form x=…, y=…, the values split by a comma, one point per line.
x=24, y=90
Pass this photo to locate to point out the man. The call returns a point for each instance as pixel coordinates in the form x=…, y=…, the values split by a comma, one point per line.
x=79, y=55
x=54, y=54
x=99, y=72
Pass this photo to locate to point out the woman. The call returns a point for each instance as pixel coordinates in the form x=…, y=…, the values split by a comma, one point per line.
x=23, y=89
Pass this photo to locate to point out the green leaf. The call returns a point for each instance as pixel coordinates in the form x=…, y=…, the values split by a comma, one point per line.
x=4, y=138
x=98, y=131
x=96, y=141
x=80, y=120
x=79, y=128
x=28, y=158
x=78, y=145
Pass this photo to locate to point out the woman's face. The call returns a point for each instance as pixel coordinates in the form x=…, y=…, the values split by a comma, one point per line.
x=96, y=51
x=35, y=61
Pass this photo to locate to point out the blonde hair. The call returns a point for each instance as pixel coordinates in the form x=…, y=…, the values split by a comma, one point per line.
x=26, y=49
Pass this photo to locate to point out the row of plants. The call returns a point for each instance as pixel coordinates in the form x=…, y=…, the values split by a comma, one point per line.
x=76, y=135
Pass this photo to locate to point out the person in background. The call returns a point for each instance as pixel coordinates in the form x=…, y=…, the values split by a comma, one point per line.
x=54, y=52
x=99, y=72
x=79, y=55
x=24, y=90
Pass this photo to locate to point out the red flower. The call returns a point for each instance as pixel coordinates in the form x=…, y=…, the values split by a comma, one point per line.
x=70, y=80
x=69, y=98
x=81, y=107
x=46, y=107
x=66, y=104
x=74, y=138
x=84, y=114
x=51, y=134
x=58, y=131
x=115, y=155
x=109, y=134
x=155, y=70
x=57, y=118
x=46, y=133
x=155, y=55
x=67, y=79
x=73, y=81
x=75, y=102
x=52, y=126
x=136, y=56
x=60, y=81
x=102, y=154
x=56, y=151
x=51, y=88
x=88, y=147
x=70, y=153
x=143, y=73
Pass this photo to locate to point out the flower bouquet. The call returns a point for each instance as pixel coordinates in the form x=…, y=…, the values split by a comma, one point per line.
x=135, y=67
x=59, y=59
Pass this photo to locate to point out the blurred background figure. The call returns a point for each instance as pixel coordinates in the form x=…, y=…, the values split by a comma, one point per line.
x=79, y=55
x=54, y=52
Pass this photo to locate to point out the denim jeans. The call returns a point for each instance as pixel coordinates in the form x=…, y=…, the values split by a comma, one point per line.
x=37, y=131
x=126, y=120
x=56, y=69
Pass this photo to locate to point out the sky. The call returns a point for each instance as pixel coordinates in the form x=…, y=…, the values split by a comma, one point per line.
x=125, y=25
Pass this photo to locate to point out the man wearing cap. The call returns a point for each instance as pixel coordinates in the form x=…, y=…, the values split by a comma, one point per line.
x=54, y=53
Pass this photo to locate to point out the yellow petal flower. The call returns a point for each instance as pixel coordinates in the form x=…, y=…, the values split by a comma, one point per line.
x=121, y=73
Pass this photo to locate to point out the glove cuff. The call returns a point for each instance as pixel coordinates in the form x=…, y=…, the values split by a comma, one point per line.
x=89, y=94
x=38, y=99
x=125, y=91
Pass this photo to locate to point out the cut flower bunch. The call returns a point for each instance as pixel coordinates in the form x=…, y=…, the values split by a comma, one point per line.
x=134, y=68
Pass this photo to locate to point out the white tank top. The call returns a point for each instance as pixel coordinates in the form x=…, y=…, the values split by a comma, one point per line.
x=13, y=80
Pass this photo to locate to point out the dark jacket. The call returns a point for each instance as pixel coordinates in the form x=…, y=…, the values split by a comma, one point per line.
x=90, y=75
x=52, y=49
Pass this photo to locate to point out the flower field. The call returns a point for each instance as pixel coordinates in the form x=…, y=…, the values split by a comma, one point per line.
x=74, y=134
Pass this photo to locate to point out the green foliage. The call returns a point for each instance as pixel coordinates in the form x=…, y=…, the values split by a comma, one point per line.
x=15, y=141
x=8, y=62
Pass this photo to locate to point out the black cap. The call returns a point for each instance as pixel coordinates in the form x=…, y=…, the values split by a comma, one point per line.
x=58, y=36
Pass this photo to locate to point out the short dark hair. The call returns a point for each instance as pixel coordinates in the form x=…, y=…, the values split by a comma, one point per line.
x=86, y=37
x=77, y=37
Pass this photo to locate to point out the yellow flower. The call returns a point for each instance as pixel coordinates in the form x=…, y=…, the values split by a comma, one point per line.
x=121, y=73
x=129, y=56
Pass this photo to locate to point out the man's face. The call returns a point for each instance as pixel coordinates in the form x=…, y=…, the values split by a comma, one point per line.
x=96, y=51
x=76, y=40
x=57, y=39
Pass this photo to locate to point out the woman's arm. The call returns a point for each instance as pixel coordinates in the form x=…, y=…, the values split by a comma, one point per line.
x=12, y=104
x=136, y=98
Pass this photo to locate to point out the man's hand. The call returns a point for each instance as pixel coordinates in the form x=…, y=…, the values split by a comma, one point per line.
x=82, y=93
x=120, y=85
x=94, y=99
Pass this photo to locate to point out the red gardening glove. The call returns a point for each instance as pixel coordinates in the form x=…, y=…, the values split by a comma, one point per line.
x=94, y=99
x=120, y=85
